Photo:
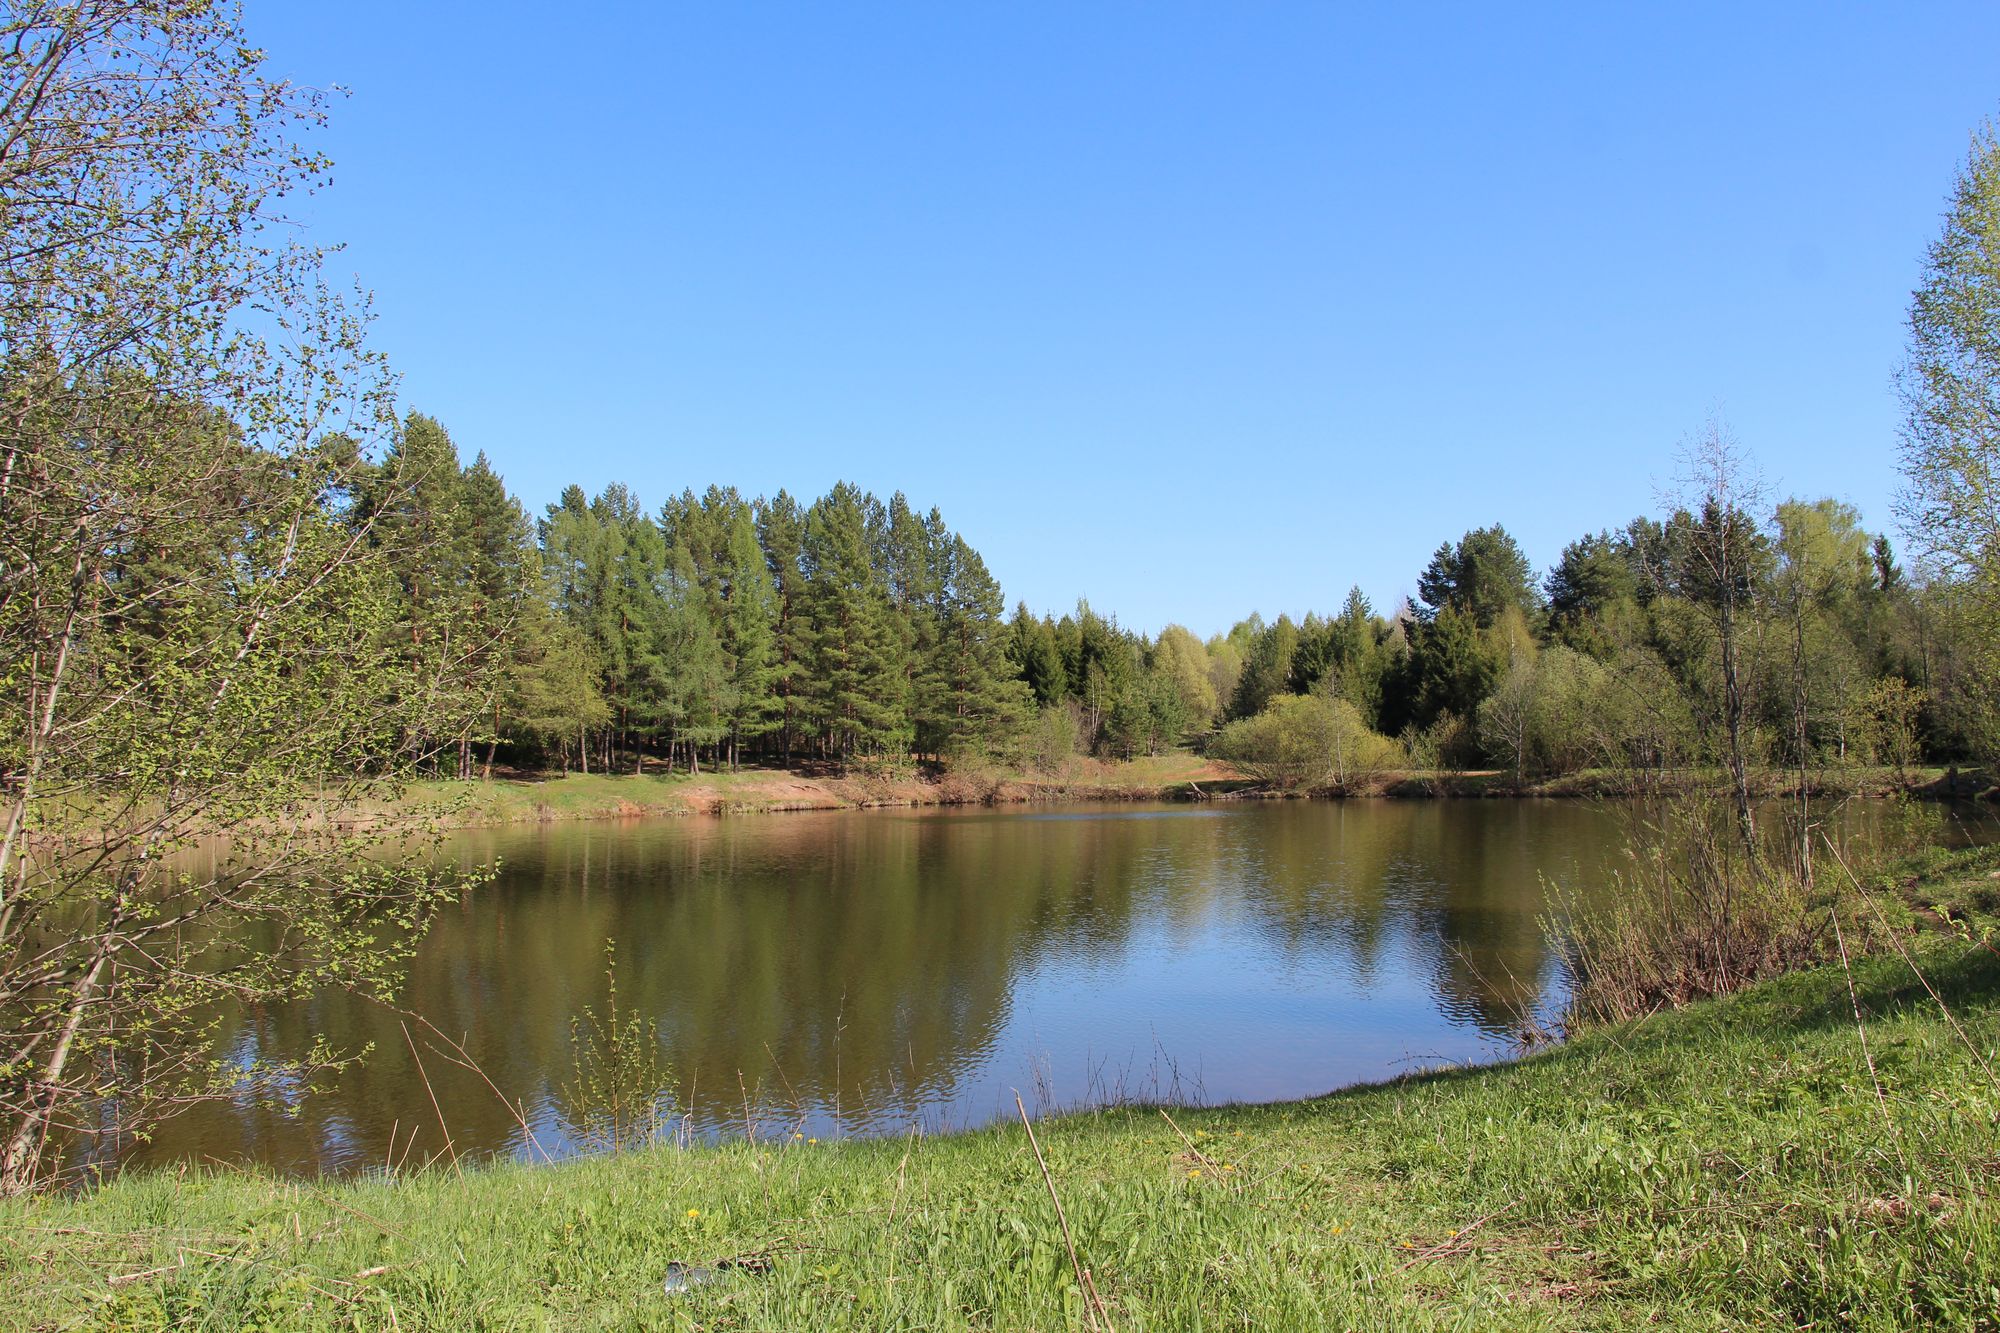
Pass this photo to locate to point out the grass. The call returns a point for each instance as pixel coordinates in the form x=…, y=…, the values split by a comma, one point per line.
x=1734, y=1164
x=624, y=795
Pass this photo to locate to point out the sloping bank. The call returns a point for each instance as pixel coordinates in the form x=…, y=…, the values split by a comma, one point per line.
x=1734, y=1164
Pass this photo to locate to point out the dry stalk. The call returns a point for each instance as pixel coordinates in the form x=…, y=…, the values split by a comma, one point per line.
x=1199, y=1155
x=1854, y=998
x=1093, y=1303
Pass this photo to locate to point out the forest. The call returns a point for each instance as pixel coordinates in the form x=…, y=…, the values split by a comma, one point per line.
x=715, y=630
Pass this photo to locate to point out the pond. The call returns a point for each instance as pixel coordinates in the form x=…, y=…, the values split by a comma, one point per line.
x=874, y=972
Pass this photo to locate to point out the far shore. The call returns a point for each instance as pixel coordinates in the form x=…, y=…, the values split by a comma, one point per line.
x=526, y=798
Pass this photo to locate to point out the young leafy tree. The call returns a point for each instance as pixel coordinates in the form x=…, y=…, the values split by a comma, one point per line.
x=1181, y=659
x=195, y=621
x=551, y=694
x=1718, y=563
x=1950, y=387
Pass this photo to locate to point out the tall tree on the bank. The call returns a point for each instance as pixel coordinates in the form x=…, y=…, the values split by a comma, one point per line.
x=781, y=532
x=458, y=544
x=1483, y=576
x=854, y=685
x=980, y=700
x=1037, y=657
x=1718, y=562
x=1950, y=386
x=715, y=549
x=913, y=557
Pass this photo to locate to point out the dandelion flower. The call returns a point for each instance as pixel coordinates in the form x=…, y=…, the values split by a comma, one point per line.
x=694, y=1212
x=1195, y=1174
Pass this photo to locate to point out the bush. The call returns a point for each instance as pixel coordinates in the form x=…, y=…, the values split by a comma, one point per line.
x=1308, y=742
x=1051, y=741
x=1698, y=916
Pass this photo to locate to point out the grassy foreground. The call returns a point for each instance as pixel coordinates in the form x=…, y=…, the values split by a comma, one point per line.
x=1731, y=1165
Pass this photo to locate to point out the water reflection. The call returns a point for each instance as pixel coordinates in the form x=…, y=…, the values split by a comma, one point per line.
x=862, y=971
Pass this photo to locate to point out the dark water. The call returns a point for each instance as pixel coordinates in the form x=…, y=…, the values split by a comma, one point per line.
x=861, y=972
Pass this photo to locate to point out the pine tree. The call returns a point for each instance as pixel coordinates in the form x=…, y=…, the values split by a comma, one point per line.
x=781, y=533
x=853, y=688
x=749, y=629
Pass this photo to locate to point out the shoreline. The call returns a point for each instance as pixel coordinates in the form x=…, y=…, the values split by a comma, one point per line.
x=507, y=800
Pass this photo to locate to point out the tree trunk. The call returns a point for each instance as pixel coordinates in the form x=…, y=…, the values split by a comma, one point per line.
x=1732, y=704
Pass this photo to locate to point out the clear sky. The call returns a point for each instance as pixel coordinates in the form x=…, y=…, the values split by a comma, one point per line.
x=1191, y=309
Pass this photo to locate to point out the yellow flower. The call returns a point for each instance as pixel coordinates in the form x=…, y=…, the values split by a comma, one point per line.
x=797, y=1135
x=1195, y=1174
x=694, y=1212
x=814, y=1140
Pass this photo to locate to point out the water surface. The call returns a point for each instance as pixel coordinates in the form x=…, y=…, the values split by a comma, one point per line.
x=869, y=971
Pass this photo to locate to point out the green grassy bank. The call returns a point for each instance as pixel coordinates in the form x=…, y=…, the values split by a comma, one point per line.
x=531, y=799
x=1731, y=1165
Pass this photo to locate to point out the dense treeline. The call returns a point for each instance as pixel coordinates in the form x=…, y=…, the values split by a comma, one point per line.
x=606, y=635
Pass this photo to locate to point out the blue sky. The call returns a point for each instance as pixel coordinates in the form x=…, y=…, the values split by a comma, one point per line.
x=1191, y=309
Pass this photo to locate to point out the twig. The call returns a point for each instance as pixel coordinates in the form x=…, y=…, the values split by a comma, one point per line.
x=432, y=1094
x=1854, y=998
x=1083, y=1282
x=464, y=1060
x=120, y=1279
x=1896, y=940
x=1188, y=1141
x=1454, y=1245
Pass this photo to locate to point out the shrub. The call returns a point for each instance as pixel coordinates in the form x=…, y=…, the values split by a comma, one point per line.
x=1308, y=742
